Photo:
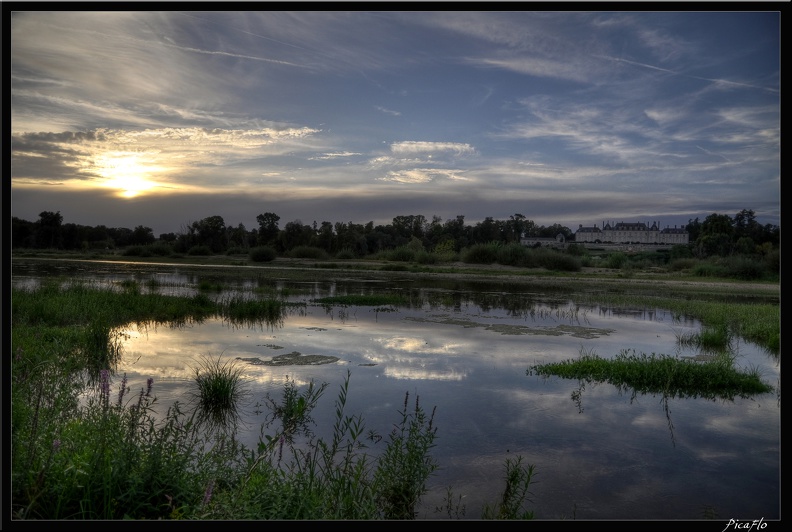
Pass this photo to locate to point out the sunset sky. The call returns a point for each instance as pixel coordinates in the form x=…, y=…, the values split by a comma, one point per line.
x=165, y=118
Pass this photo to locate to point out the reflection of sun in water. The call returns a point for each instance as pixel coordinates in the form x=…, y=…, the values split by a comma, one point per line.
x=126, y=173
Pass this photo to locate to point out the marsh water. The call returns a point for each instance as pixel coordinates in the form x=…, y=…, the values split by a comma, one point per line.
x=464, y=347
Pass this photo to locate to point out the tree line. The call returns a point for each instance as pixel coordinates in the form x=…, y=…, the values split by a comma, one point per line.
x=716, y=235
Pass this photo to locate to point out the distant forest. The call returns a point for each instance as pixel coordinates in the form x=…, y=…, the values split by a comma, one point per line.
x=716, y=235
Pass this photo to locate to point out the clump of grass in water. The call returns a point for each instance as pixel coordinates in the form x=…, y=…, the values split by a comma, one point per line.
x=241, y=310
x=671, y=376
x=220, y=389
x=710, y=338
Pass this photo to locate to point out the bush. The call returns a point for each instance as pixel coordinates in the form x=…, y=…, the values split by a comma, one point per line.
x=424, y=257
x=709, y=269
x=553, y=260
x=308, y=252
x=345, y=254
x=263, y=254
x=401, y=254
x=480, y=254
x=616, y=260
x=136, y=251
x=199, y=250
x=160, y=249
x=512, y=254
x=744, y=268
x=682, y=264
x=236, y=250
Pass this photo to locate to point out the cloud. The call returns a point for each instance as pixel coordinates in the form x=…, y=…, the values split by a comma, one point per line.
x=421, y=175
x=413, y=147
x=387, y=111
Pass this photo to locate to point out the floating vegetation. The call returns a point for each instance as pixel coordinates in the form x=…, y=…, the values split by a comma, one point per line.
x=660, y=374
x=505, y=329
x=295, y=358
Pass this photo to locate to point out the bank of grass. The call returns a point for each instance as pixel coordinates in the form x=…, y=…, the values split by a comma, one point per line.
x=721, y=315
x=661, y=374
x=85, y=448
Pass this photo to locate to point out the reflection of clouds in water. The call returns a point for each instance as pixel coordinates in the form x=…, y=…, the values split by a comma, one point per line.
x=614, y=447
x=414, y=345
x=424, y=374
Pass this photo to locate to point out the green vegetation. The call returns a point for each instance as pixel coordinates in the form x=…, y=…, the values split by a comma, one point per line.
x=220, y=389
x=660, y=374
x=723, y=246
x=110, y=456
x=263, y=254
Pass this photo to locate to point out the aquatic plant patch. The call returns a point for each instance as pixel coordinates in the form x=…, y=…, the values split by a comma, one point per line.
x=660, y=374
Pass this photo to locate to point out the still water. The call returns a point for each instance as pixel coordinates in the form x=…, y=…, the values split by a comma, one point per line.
x=465, y=348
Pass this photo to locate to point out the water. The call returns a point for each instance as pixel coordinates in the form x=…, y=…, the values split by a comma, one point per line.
x=465, y=348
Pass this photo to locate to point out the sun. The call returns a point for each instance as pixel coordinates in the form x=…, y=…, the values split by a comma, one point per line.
x=126, y=173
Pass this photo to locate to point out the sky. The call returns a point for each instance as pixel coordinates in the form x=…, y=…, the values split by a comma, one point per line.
x=164, y=118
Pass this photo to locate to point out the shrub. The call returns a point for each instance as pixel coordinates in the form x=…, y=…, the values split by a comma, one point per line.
x=709, y=269
x=480, y=254
x=424, y=257
x=161, y=249
x=199, y=250
x=345, y=254
x=744, y=268
x=553, y=260
x=512, y=254
x=263, y=254
x=445, y=251
x=682, y=264
x=308, y=252
x=137, y=251
x=616, y=260
x=401, y=254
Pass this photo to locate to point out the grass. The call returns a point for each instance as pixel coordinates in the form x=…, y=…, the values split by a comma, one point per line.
x=220, y=389
x=82, y=451
x=660, y=374
x=85, y=446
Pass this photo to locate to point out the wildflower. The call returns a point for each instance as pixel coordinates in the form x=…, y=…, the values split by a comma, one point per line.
x=149, y=385
x=56, y=443
x=208, y=493
x=122, y=390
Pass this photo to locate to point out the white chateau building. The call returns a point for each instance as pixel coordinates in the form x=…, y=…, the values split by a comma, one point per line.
x=631, y=233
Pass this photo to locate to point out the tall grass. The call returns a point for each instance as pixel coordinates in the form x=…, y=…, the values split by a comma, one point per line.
x=85, y=446
x=219, y=390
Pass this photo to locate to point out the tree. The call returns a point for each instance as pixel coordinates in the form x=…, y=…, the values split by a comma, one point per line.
x=715, y=237
x=268, y=228
x=49, y=231
x=211, y=232
x=142, y=236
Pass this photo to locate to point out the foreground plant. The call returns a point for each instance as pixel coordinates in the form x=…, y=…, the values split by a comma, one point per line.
x=220, y=389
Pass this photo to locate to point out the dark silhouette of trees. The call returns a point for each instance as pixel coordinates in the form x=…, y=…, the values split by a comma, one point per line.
x=268, y=228
x=49, y=232
x=717, y=235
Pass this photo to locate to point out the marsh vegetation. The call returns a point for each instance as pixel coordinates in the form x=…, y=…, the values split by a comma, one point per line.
x=93, y=437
